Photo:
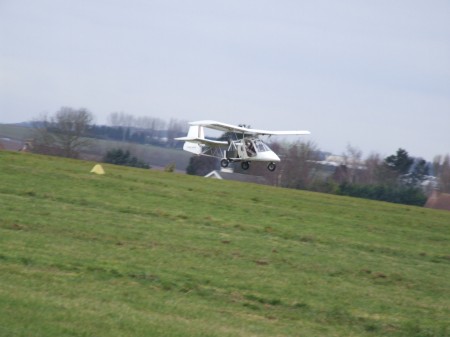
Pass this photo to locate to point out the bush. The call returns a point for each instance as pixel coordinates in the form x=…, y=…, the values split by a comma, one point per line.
x=398, y=194
x=120, y=157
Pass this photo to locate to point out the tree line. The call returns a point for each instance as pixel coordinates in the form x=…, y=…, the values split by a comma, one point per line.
x=397, y=178
x=141, y=130
x=69, y=131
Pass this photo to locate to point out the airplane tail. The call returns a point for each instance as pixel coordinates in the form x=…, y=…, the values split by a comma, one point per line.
x=195, y=132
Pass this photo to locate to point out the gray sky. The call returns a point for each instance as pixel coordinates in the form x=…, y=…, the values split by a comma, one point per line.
x=373, y=74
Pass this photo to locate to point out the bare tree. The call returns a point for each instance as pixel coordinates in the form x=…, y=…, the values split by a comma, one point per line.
x=175, y=129
x=151, y=125
x=128, y=124
x=113, y=119
x=371, y=173
x=63, y=133
x=121, y=120
x=300, y=166
x=353, y=164
x=441, y=167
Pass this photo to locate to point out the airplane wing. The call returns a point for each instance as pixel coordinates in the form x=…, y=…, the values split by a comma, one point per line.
x=233, y=128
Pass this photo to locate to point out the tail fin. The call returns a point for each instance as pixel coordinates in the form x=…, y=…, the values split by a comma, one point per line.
x=195, y=132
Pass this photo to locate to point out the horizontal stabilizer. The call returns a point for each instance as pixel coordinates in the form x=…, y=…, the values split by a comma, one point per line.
x=196, y=139
x=205, y=141
x=192, y=147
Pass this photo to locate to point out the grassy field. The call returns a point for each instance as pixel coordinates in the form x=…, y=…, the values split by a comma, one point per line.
x=146, y=253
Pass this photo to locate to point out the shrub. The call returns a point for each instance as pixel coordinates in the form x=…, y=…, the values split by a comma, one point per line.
x=120, y=157
x=398, y=194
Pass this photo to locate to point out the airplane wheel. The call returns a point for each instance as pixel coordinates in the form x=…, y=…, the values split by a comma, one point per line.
x=245, y=165
x=224, y=163
x=271, y=167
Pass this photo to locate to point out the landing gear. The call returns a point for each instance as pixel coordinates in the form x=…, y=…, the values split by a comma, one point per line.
x=224, y=163
x=245, y=165
x=271, y=167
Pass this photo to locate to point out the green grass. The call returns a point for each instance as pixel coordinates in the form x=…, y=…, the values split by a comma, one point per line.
x=146, y=253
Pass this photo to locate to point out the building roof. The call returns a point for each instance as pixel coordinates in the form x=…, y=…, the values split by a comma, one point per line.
x=438, y=200
x=228, y=174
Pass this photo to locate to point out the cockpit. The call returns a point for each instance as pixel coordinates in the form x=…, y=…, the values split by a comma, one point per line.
x=260, y=146
x=246, y=148
x=254, y=146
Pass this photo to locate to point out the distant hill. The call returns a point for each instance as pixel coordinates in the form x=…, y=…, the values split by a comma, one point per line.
x=15, y=131
x=147, y=253
x=156, y=156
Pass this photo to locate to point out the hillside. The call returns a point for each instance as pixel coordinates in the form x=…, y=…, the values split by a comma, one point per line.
x=145, y=253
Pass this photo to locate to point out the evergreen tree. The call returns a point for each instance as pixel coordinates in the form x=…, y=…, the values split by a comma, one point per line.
x=400, y=162
x=418, y=173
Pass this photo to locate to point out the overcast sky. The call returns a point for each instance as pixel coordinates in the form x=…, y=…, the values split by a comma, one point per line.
x=373, y=74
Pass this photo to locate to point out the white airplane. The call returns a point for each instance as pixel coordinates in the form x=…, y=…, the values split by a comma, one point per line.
x=243, y=144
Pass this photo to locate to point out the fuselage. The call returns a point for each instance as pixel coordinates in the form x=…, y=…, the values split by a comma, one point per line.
x=251, y=149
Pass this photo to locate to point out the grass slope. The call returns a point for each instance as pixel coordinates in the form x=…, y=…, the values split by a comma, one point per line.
x=146, y=253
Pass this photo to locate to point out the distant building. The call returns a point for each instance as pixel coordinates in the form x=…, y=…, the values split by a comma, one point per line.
x=438, y=200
